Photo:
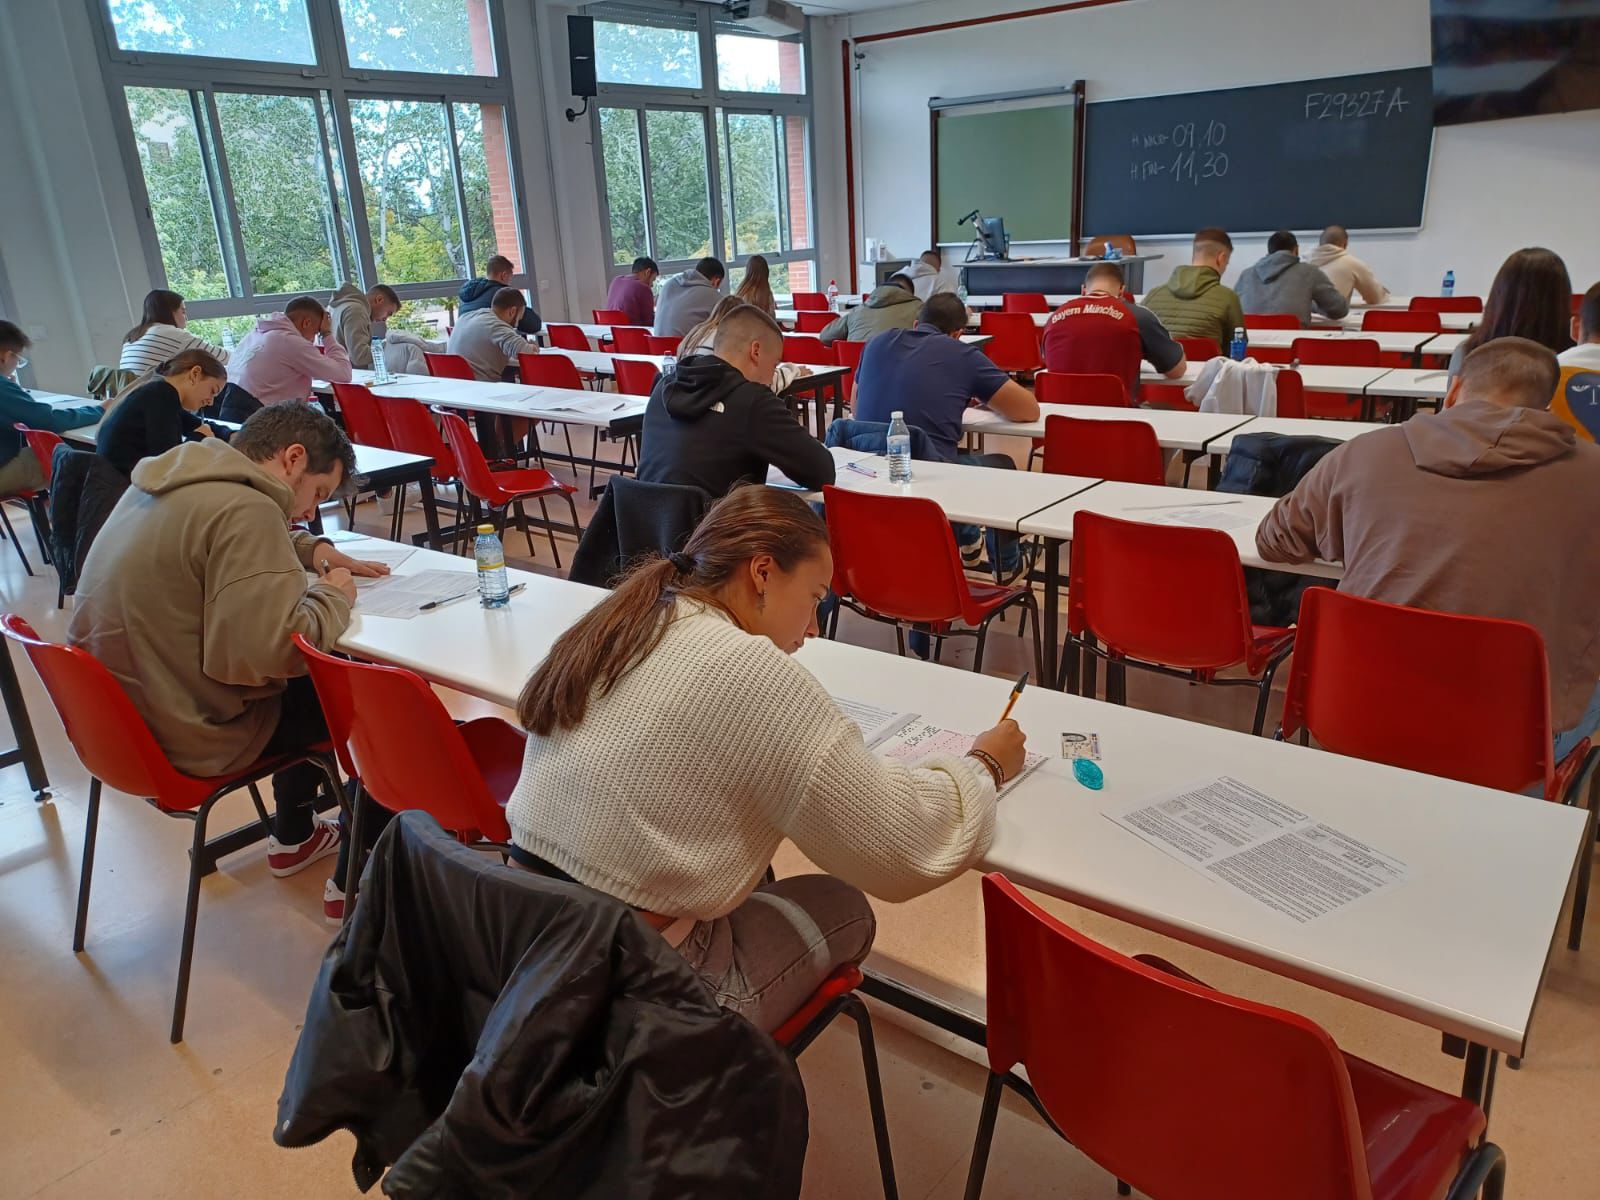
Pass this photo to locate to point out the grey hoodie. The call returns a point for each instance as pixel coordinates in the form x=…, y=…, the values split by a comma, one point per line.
x=889, y=307
x=352, y=324
x=1281, y=283
x=686, y=299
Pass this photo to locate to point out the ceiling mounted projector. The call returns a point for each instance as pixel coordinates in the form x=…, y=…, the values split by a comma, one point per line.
x=771, y=17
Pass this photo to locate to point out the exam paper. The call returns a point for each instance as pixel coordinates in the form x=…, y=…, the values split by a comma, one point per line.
x=387, y=553
x=842, y=456
x=1262, y=847
x=595, y=403
x=915, y=740
x=402, y=596
x=1205, y=516
x=874, y=722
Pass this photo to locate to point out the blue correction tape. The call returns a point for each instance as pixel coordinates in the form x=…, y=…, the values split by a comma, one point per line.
x=1088, y=773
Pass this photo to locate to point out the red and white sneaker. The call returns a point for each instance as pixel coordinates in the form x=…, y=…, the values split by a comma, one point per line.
x=332, y=903
x=284, y=861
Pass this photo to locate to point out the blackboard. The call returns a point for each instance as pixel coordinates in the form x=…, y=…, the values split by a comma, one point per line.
x=992, y=161
x=1351, y=150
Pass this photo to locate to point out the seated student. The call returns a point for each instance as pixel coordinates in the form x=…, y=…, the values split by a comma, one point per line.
x=674, y=743
x=701, y=336
x=161, y=334
x=928, y=275
x=481, y=293
x=1485, y=509
x=632, y=293
x=1101, y=333
x=489, y=340
x=933, y=377
x=715, y=421
x=892, y=305
x=1193, y=303
x=1586, y=333
x=755, y=288
x=1281, y=283
x=159, y=414
x=19, y=467
x=280, y=357
x=688, y=298
x=192, y=590
x=353, y=313
x=1531, y=297
x=1343, y=269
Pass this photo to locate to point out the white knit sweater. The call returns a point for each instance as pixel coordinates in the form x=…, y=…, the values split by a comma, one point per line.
x=676, y=788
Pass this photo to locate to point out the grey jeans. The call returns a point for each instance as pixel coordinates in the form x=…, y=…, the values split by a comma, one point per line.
x=765, y=958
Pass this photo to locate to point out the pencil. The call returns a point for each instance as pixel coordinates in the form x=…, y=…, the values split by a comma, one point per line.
x=1022, y=682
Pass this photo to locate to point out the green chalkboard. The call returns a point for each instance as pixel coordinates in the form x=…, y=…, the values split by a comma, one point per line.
x=1014, y=163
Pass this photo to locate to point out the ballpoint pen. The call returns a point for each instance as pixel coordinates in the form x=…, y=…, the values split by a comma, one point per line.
x=433, y=604
x=1022, y=682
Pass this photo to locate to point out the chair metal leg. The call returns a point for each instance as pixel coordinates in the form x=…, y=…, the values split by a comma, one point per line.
x=397, y=520
x=857, y=1011
x=977, y=653
x=900, y=638
x=353, y=857
x=1580, y=895
x=522, y=524
x=985, y=1136
x=191, y=916
x=550, y=532
x=1264, y=695
x=12, y=534
x=261, y=807
x=91, y=827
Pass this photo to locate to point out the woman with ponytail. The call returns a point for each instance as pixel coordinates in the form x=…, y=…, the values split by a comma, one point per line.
x=161, y=334
x=160, y=411
x=674, y=743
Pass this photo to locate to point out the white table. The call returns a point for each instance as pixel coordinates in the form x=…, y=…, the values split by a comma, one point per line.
x=1389, y=341
x=1339, y=431
x=990, y=496
x=1458, y=322
x=1174, y=429
x=1445, y=344
x=1344, y=380
x=1432, y=384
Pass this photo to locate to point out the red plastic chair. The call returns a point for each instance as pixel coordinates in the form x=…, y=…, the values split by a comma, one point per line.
x=447, y=366
x=1124, y=451
x=1396, y=320
x=809, y=301
x=1444, y=304
x=1168, y=599
x=657, y=345
x=609, y=316
x=363, y=420
x=568, y=337
x=1024, y=302
x=635, y=377
x=1271, y=321
x=848, y=354
x=895, y=560
x=1460, y=697
x=1188, y=1093
x=1336, y=352
x=42, y=444
x=505, y=491
x=117, y=748
x=1015, y=347
x=630, y=339
x=1291, y=393
x=808, y=350
x=414, y=432
x=812, y=322
x=1200, y=349
x=1097, y=391
x=549, y=370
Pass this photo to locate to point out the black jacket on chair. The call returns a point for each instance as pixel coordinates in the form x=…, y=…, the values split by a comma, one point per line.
x=635, y=519
x=492, y=1033
x=84, y=488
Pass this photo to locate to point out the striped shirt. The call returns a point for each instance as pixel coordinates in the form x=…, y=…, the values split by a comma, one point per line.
x=159, y=343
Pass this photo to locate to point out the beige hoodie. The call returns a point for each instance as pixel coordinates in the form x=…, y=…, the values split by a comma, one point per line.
x=1348, y=273
x=1482, y=509
x=190, y=595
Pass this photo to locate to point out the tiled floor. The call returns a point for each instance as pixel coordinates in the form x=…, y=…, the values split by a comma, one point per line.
x=95, y=1102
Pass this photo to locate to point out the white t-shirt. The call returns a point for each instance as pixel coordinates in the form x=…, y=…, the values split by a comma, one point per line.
x=1586, y=354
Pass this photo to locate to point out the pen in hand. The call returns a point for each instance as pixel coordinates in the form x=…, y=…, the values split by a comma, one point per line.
x=1022, y=682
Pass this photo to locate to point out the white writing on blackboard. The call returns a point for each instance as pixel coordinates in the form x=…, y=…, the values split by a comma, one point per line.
x=1197, y=158
x=1355, y=106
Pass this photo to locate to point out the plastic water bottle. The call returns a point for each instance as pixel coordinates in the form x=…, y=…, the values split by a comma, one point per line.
x=380, y=368
x=899, y=448
x=669, y=365
x=833, y=295
x=227, y=338
x=493, y=590
x=1236, y=349
x=961, y=290
x=1448, y=288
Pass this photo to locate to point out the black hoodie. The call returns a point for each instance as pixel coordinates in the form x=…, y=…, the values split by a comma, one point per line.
x=480, y=293
x=709, y=426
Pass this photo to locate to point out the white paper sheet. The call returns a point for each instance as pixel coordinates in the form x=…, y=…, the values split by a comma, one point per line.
x=402, y=596
x=874, y=722
x=842, y=457
x=595, y=404
x=1275, y=854
x=387, y=553
x=916, y=739
x=1201, y=516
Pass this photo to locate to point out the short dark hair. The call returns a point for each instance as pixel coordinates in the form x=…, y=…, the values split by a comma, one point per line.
x=1213, y=239
x=1589, y=313
x=304, y=306
x=1511, y=370
x=746, y=323
x=711, y=268
x=903, y=281
x=645, y=263
x=497, y=264
x=508, y=298
x=1282, y=240
x=12, y=338
x=1107, y=270
x=1335, y=235
x=275, y=427
x=388, y=293
x=945, y=312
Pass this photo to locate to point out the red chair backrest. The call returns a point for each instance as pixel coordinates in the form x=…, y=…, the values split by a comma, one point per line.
x=635, y=377
x=809, y=300
x=1169, y=594
x=1179, y=1090
x=1291, y=393
x=381, y=715
x=1024, y=302
x=363, y=420
x=1468, y=304
x=472, y=466
x=111, y=738
x=1125, y=451
x=43, y=443
x=1337, y=352
x=1099, y=391
x=549, y=370
x=413, y=431
x=658, y=345
x=1577, y=302
x=568, y=337
x=447, y=366
x=1016, y=340
x=1199, y=349
x=610, y=316
x=812, y=322
x=848, y=353
x=810, y=350
x=1271, y=321
x=1088, y=336
x=630, y=339
x=1461, y=697
x=896, y=555
x=1396, y=320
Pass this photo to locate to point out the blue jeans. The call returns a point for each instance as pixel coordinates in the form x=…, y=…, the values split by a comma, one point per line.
x=1586, y=726
x=1003, y=546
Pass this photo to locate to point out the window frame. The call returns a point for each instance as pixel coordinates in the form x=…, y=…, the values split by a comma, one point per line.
x=330, y=80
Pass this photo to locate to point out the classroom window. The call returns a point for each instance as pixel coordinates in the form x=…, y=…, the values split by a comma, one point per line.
x=265, y=31
x=483, y=159
x=408, y=180
x=443, y=37
x=679, y=183
x=622, y=160
x=178, y=180
x=664, y=52
x=748, y=62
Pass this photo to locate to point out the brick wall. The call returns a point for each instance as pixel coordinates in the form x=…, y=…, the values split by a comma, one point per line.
x=502, y=201
x=791, y=76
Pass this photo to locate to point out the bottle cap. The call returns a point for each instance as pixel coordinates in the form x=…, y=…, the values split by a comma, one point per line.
x=485, y=528
x=896, y=416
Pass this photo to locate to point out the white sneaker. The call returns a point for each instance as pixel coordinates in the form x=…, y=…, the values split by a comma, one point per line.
x=332, y=903
x=284, y=861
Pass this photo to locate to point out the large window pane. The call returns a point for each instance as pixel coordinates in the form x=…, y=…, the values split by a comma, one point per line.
x=403, y=148
x=751, y=165
x=652, y=55
x=486, y=180
x=747, y=63
x=448, y=37
x=280, y=189
x=624, y=168
x=180, y=199
x=255, y=30
x=679, y=184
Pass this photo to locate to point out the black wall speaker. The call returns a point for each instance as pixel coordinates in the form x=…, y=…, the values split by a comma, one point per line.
x=580, y=48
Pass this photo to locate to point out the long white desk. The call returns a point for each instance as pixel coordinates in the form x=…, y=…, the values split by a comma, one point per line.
x=1451, y=322
x=1174, y=429
x=1431, y=384
x=1389, y=341
x=1344, y=380
x=1339, y=431
x=991, y=496
x=1460, y=946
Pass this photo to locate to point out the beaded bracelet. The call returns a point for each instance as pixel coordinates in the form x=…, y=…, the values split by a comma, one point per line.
x=991, y=762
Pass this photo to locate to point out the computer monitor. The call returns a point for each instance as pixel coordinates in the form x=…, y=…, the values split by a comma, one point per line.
x=992, y=234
